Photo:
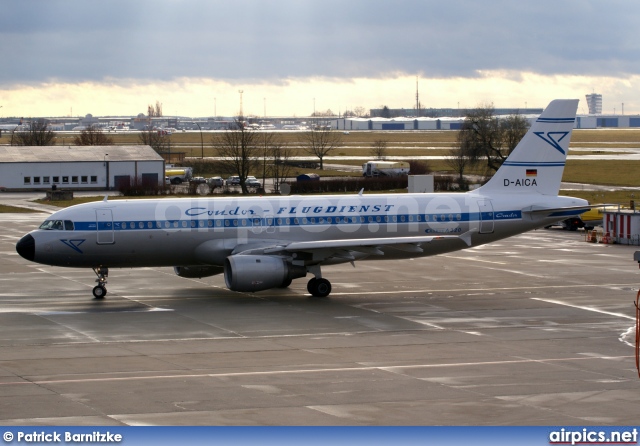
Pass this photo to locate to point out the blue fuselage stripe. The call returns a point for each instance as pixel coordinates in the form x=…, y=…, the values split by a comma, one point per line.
x=248, y=222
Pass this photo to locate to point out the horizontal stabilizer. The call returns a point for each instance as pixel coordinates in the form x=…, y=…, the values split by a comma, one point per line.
x=567, y=211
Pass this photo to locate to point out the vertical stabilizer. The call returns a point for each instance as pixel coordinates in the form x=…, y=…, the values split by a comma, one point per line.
x=537, y=163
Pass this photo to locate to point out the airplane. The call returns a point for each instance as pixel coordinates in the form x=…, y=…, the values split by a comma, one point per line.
x=266, y=242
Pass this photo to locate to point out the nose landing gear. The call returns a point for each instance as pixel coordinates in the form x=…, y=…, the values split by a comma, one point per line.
x=100, y=290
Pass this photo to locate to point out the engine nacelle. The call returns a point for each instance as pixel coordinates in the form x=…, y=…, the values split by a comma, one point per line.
x=197, y=271
x=259, y=272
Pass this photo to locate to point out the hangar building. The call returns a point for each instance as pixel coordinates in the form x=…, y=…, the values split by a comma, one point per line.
x=77, y=167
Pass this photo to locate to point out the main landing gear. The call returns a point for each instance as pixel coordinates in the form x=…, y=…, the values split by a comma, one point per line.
x=317, y=286
x=100, y=290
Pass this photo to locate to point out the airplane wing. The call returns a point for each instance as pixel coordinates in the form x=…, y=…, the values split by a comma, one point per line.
x=366, y=245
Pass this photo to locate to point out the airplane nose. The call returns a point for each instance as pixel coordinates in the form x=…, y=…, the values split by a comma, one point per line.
x=26, y=247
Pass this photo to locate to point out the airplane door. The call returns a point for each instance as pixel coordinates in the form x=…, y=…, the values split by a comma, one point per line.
x=486, y=216
x=105, y=234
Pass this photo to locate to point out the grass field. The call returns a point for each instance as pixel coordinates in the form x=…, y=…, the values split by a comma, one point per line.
x=15, y=210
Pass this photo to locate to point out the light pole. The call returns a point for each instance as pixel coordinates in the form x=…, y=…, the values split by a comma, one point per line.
x=201, y=141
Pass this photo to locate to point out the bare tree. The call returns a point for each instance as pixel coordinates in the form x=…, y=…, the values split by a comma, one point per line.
x=360, y=112
x=281, y=168
x=160, y=141
x=36, y=134
x=320, y=142
x=458, y=161
x=515, y=127
x=92, y=136
x=240, y=150
x=485, y=137
x=273, y=147
x=154, y=111
x=379, y=149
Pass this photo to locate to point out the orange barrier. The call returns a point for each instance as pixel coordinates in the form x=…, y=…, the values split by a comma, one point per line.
x=592, y=236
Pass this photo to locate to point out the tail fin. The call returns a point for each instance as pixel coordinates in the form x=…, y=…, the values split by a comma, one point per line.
x=537, y=162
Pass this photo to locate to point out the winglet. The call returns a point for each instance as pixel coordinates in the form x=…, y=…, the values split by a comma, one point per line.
x=361, y=192
x=106, y=197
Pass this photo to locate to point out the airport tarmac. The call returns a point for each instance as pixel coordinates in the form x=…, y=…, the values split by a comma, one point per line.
x=538, y=329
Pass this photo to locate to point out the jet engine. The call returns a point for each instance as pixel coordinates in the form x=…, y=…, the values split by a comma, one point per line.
x=259, y=272
x=197, y=271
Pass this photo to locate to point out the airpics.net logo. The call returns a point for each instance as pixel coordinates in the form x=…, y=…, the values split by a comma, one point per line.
x=587, y=436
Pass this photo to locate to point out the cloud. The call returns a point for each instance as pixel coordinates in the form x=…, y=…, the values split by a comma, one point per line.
x=347, y=53
x=45, y=40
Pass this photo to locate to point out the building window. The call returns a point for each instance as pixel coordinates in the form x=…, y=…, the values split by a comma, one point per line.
x=94, y=179
x=27, y=180
x=45, y=180
x=36, y=180
x=65, y=180
x=74, y=179
x=83, y=179
x=56, y=179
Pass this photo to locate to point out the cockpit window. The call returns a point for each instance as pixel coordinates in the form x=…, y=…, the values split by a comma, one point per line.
x=57, y=225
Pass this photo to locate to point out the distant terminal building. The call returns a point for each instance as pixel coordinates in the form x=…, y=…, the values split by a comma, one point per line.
x=77, y=167
x=594, y=101
x=444, y=112
x=407, y=123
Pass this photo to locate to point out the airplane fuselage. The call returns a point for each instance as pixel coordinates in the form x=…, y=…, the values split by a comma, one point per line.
x=190, y=231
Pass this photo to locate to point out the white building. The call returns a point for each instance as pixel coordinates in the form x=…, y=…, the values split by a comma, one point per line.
x=623, y=226
x=77, y=167
x=444, y=123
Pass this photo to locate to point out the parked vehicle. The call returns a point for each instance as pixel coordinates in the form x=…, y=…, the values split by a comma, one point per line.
x=388, y=168
x=178, y=175
x=570, y=224
x=198, y=180
x=215, y=182
x=233, y=180
x=252, y=182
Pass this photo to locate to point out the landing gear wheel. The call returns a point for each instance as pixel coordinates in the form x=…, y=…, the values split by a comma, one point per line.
x=311, y=284
x=99, y=291
x=319, y=287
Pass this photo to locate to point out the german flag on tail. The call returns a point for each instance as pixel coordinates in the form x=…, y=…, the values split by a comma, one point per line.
x=532, y=172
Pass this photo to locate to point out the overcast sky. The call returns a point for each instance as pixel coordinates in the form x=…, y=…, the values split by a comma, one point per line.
x=115, y=57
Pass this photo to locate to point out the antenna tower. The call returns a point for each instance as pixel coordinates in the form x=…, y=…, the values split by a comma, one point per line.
x=417, y=99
